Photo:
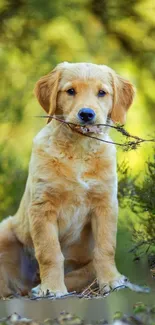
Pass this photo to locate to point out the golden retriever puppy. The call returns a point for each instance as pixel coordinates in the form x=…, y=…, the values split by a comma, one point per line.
x=66, y=224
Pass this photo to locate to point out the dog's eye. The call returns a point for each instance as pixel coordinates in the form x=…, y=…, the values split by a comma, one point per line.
x=101, y=93
x=71, y=92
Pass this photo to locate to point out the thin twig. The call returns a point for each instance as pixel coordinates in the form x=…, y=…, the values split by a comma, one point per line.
x=76, y=127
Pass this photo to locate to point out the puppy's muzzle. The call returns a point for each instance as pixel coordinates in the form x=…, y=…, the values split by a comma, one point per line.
x=86, y=115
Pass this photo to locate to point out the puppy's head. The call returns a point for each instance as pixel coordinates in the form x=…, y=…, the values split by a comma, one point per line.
x=85, y=93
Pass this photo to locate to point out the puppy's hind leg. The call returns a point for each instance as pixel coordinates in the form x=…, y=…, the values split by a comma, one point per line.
x=79, y=256
x=11, y=255
x=77, y=280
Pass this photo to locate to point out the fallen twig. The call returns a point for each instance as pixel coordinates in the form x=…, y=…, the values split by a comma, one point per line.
x=93, y=291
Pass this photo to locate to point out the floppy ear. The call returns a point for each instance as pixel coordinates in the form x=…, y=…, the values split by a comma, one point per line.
x=46, y=90
x=123, y=94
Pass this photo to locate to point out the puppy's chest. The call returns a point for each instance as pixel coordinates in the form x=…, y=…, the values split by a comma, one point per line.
x=81, y=172
x=72, y=219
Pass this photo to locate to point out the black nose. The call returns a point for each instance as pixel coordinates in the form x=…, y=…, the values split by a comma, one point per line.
x=86, y=115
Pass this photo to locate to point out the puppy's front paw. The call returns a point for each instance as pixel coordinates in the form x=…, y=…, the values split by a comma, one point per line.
x=43, y=291
x=117, y=283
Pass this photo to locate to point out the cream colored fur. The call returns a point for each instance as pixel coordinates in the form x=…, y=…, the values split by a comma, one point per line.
x=68, y=214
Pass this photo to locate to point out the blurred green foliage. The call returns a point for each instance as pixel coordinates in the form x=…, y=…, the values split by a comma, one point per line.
x=35, y=36
x=139, y=196
x=12, y=181
x=143, y=203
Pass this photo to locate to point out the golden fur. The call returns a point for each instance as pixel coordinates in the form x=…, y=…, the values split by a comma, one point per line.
x=67, y=217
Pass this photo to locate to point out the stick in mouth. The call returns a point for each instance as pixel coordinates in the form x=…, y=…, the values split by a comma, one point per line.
x=86, y=130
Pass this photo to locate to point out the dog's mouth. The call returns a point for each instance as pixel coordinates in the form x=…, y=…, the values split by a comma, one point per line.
x=90, y=128
x=82, y=128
